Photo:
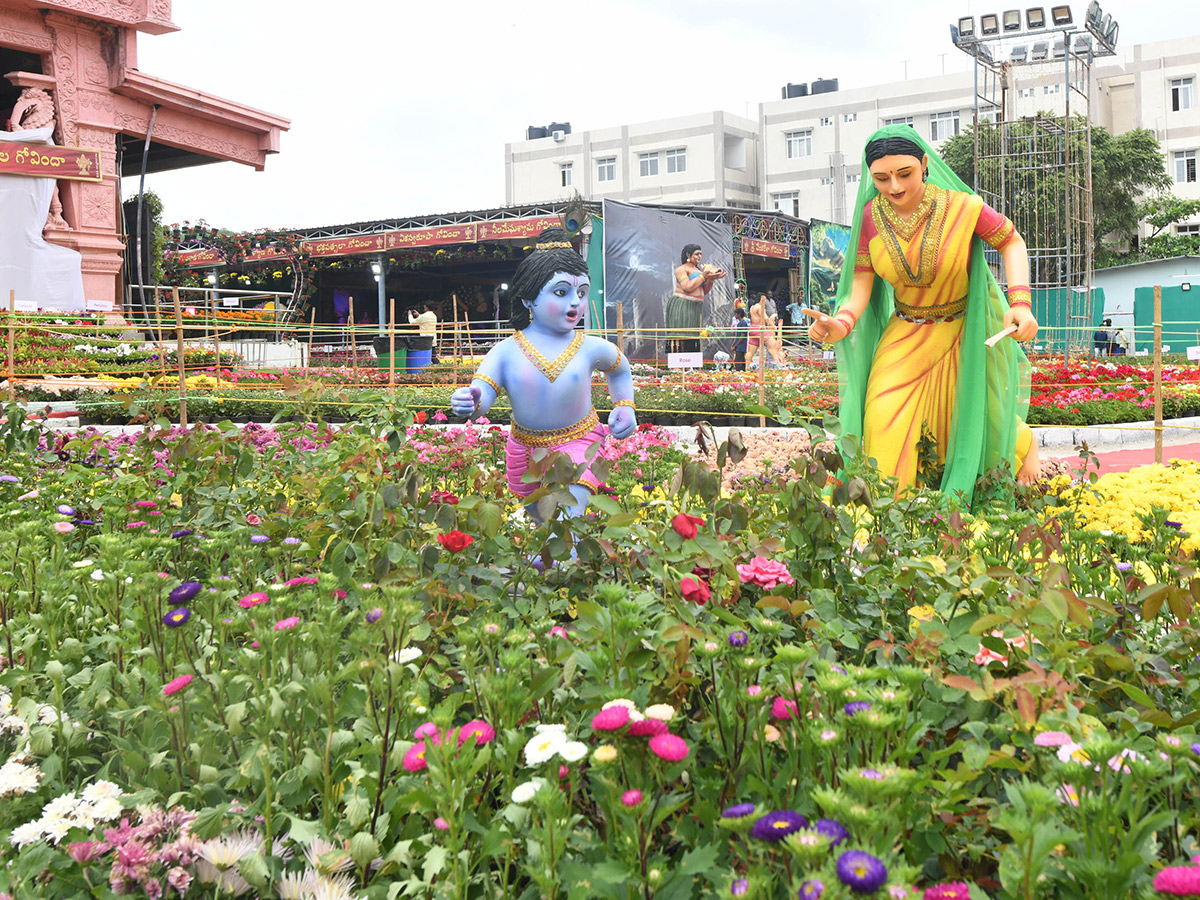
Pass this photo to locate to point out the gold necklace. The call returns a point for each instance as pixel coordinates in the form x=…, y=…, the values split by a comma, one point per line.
x=550, y=369
x=930, y=213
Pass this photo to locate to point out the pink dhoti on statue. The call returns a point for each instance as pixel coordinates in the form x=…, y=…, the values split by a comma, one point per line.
x=573, y=440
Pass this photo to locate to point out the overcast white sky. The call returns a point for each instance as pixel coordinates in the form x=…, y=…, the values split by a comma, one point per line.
x=403, y=107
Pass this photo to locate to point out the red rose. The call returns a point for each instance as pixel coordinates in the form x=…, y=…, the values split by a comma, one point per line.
x=455, y=541
x=694, y=591
x=685, y=526
x=420, y=417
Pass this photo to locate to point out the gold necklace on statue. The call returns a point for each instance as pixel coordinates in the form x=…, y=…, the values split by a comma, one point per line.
x=550, y=369
x=930, y=218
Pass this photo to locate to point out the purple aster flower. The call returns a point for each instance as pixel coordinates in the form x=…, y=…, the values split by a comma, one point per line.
x=1124, y=566
x=738, y=811
x=374, y=615
x=811, y=889
x=831, y=829
x=84, y=522
x=181, y=533
x=11, y=479
x=1171, y=523
x=649, y=487
x=739, y=887
x=861, y=872
x=66, y=509
x=291, y=540
x=871, y=774
x=775, y=826
x=738, y=639
x=177, y=617
x=837, y=669
x=184, y=593
x=258, y=538
x=854, y=708
x=1195, y=748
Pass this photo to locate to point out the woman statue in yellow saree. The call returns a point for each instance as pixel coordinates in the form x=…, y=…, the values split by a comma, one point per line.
x=913, y=313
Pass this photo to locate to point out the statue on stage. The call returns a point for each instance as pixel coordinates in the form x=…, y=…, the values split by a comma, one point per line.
x=685, y=307
x=546, y=367
x=913, y=315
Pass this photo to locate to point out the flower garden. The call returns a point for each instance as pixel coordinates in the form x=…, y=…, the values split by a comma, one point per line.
x=331, y=657
x=309, y=661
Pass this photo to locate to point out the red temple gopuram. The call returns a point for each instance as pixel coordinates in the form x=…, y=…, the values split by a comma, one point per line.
x=73, y=64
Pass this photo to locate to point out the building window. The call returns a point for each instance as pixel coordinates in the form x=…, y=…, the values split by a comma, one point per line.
x=606, y=169
x=1181, y=94
x=989, y=116
x=1055, y=88
x=826, y=120
x=1188, y=230
x=1185, y=166
x=787, y=202
x=647, y=164
x=677, y=160
x=826, y=181
x=1024, y=92
x=850, y=117
x=851, y=179
x=799, y=143
x=899, y=120
x=943, y=125
x=564, y=174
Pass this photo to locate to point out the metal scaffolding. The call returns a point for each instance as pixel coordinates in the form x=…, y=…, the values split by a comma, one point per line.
x=1033, y=161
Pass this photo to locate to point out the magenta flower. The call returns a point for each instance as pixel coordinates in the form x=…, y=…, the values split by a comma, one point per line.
x=782, y=708
x=610, y=719
x=84, y=852
x=631, y=798
x=146, y=504
x=766, y=573
x=175, y=685
x=481, y=731
x=289, y=622
x=670, y=747
x=253, y=600
x=648, y=728
x=425, y=731
x=948, y=890
x=414, y=758
x=1179, y=881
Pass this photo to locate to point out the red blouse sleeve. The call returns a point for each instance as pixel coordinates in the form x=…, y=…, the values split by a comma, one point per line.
x=994, y=228
x=862, y=260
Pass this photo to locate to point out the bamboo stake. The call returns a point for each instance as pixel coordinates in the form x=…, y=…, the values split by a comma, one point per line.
x=162, y=350
x=454, y=300
x=353, y=343
x=12, y=346
x=312, y=331
x=621, y=327
x=217, y=339
x=1158, y=425
x=179, y=364
x=392, y=344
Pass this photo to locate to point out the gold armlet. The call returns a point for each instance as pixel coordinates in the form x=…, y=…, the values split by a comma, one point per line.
x=628, y=403
x=614, y=365
x=479, y=376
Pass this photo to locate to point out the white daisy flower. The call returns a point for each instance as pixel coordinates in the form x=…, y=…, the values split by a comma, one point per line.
x=573, y=751
x=407, y=655
x=525, y=792
x=543, y=747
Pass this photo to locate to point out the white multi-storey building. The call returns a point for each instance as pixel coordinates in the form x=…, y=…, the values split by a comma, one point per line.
x=803, y=155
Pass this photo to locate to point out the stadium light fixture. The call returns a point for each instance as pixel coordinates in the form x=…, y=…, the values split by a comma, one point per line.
x=989, y=24
x=1035, y=17
x=1012, y=20
x=1061, y=15
x=966, y=28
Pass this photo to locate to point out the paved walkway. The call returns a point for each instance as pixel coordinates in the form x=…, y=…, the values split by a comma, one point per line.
x=1123, y=457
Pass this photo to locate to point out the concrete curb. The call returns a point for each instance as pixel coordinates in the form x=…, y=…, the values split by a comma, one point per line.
x=1175, y=430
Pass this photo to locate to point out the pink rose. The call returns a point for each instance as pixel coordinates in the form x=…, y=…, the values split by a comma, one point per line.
x=765, y=573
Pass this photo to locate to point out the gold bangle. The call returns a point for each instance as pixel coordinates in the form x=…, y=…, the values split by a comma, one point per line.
x=628, y=403
x=479, y=376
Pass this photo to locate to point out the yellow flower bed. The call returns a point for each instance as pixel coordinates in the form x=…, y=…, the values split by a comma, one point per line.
x=1175, y=487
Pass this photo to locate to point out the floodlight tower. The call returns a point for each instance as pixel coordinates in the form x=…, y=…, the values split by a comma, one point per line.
x=1033, y=149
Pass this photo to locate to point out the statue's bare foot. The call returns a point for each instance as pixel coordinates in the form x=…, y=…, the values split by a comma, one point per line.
x=1031, y=470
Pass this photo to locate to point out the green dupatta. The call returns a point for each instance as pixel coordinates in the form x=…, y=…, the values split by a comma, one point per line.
x=992, y=396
